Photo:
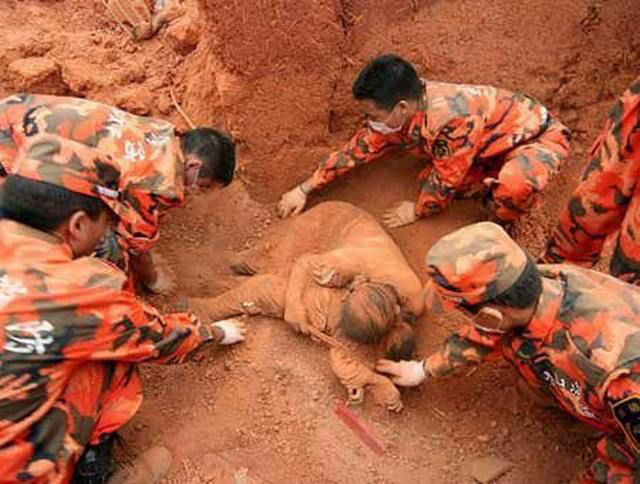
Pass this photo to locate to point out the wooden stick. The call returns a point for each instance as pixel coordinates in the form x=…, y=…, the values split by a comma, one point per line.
x=182, y=113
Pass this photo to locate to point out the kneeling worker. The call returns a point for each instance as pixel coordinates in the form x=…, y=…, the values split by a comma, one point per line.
x=71, y=337
x=570, y=332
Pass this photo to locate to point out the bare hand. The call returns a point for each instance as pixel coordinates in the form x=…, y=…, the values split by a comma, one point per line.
x=292, y=202
x=402, y=214
x=403, y=373
x=164, y=282
x=328, y=276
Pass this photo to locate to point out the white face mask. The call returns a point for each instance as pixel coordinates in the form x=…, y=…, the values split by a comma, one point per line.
x=489, y=314
x=383, y=128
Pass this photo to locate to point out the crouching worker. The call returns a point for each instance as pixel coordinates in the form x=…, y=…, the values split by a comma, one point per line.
x=356, y=286
x=155, y=167
x=71, y=337
x=570, y=332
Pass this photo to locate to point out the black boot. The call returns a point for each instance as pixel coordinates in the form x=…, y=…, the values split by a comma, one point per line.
x=96, y=464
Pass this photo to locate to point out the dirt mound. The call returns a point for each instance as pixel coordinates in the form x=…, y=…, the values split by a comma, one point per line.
x=277, y=74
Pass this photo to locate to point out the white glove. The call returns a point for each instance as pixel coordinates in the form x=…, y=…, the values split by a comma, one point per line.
x=403, y=213
x=292, y=202
x=403, y=373
x=234, y=331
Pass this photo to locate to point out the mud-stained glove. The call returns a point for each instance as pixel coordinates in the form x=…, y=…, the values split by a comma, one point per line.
x=401, y=214
x=403, y=373
x=292, y=202
x=234, y=331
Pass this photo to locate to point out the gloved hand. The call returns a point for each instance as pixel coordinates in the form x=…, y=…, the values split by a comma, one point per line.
x=402, y=214
x=292, y=202
x=403, y=373
x=234, y=331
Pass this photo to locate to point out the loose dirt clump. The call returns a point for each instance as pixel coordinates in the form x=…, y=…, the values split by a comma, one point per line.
x=277, y=74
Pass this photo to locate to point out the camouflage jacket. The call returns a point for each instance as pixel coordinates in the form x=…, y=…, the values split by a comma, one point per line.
x=455, y=128
x=582, y=348
x=146, y=150
x=57, y=314
x=607, y=199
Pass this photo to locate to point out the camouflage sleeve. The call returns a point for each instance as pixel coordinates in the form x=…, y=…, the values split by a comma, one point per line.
x=8, y=148
x=598, y=205
x=131, y=331
x=617, y=454
x=365, y=146
x=453, y=151
x=464, y=347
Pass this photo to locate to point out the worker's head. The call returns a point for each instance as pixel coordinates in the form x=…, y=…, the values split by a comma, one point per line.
x=388, y=91
x=370, y=312
x=210, y=158
x=482, y=272
x=67, y=190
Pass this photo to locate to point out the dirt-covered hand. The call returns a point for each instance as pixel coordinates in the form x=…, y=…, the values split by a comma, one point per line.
x=234, y=331
x=164, y=282
x=403, y=373
x=402, y=214
x=328, y=276
x=292, y=202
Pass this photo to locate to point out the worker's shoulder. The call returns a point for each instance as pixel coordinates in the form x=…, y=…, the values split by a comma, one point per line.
x=91, y=272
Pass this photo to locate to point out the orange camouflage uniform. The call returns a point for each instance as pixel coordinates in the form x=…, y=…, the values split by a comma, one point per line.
x=607, y=198
x=467, y=134
x=580, y=348
x=146, y=151
x=70, y=336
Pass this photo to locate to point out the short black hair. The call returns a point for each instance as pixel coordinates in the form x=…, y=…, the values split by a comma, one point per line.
x=216, y=150
x=386, y=80
x=42, y=205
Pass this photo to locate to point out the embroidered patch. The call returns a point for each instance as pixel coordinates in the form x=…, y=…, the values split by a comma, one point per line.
x=627, y=414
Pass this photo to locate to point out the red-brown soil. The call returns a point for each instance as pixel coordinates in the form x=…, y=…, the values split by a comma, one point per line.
x=277, y=73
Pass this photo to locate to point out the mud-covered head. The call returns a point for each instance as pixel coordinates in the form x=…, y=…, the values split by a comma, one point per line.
x=388, y=91
x=371, y=313
x=210, y=158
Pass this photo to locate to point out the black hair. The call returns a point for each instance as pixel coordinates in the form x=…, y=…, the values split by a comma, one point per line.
x=216, y=150
x=400, y=342
x=42, y=205
x=386, y=80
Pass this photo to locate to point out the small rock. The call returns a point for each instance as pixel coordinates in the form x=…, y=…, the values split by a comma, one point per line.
x=487, y=469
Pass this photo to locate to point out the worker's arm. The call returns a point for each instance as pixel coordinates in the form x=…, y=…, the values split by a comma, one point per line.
x=617, y=454
x=453, y=152
x=123, y=328
x=465, y=347
x=599, y=203
x=364, y=147
x=8, y=147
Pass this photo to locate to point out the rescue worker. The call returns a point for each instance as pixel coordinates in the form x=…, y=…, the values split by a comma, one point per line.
x=353, y=284
x=71, y=337
x=571, y=333
x=474, y=140
x=155, y=167
x=607, y=199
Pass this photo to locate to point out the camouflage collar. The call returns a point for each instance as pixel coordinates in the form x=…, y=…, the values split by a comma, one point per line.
x=545, y=316
x=54, y=245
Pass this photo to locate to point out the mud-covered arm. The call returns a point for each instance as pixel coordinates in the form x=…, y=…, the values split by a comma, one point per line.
x=300, y=276
x=453, y=151
x=464, y=347
x=364, y=147
x=260, y=295
x=599, y=203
